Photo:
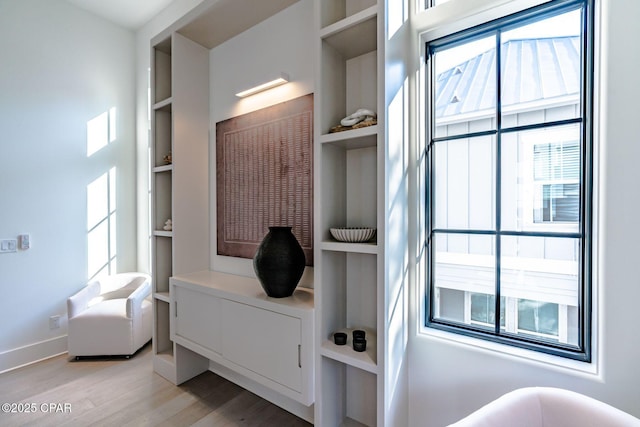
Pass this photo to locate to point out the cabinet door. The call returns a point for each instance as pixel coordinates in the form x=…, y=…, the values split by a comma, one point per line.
x=264, y=342
x=198, y=318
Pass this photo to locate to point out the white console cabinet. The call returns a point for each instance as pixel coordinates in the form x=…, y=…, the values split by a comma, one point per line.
x=232, y=322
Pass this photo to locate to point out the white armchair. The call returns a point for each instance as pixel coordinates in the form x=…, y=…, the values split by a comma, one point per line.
x=110, y=316
x=548, y=407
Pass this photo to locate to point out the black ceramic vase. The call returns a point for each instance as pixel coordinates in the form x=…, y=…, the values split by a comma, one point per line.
x=279, y=262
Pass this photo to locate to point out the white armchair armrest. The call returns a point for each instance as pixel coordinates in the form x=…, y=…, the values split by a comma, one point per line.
x=79, y=302
x=134, y=301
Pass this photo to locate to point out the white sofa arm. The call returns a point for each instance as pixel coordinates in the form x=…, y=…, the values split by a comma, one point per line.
x=134, y=302
x=547, y=407
x=78, y=302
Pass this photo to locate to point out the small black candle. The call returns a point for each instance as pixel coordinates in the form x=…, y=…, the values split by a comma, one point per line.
x=358, y=334
x=340, y=338
x=360, y=344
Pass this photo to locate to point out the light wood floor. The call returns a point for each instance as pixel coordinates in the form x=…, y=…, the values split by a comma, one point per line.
x=122, y=392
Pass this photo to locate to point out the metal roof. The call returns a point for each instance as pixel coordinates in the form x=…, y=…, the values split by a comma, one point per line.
x=534, y=69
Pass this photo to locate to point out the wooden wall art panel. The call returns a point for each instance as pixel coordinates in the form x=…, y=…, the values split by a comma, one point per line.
x=264, y=177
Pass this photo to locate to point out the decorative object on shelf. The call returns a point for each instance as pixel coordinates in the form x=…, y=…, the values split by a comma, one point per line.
x=360, y=345
x=167, y=158
x=353, y=234
x=363, y=124
x=360, y=115
x=359, y=341
x=361, y=118
x=340, y=338
x=279, y=262
x=168, y=225
x=264, y=170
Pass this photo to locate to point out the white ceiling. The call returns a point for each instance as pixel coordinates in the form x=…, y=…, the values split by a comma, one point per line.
x=131, y=14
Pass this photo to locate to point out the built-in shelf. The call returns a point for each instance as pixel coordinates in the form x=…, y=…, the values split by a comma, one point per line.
x=333, y=11
x=349, y=285
x=362, y=248
x=350, y=385
x=350, y=22
x=179, y=83
x=162, y=296
x=165, y=104
x=353, y=36
x=163, y=168
x=365, y=360
x=353, y=138
x=161, y=193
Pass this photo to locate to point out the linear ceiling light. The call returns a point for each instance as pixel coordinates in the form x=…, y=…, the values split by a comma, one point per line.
x=284, y=78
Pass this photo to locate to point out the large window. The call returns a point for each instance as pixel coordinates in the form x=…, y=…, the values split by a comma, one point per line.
x=509, y=183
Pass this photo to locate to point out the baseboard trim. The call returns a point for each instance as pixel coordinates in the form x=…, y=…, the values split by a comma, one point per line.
x=32, y=353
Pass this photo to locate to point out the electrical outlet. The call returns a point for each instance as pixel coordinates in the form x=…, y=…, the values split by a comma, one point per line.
x=54, y=322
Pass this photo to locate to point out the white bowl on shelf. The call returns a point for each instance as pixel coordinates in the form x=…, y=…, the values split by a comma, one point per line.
x=353, y=234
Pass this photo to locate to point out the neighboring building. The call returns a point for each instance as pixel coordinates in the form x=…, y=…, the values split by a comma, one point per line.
x=539, y=192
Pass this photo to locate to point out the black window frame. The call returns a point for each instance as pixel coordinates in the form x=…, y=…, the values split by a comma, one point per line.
x=583, y=350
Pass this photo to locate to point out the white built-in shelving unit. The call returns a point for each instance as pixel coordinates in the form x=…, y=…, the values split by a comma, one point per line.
x=161, y=190
x=179, y=188
x=349, y=183
x=180, y=125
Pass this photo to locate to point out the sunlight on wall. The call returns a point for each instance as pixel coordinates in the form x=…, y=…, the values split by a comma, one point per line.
x=101, y=130
x=112, y=124
x=398, y=181
x=101, y=200
x=397, y=14
x=101, y=225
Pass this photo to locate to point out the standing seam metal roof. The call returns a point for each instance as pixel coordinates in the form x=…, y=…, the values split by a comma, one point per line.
x=533, y=69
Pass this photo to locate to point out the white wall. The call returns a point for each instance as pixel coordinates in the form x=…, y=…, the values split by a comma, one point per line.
x=61, y=67
x=399, y=190
x=448, y=380
x=283, y=42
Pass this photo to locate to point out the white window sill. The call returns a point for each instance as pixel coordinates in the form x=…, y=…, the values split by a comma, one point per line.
x=588, y=370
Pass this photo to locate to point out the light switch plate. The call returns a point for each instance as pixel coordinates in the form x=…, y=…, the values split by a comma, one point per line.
x=8, y=245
